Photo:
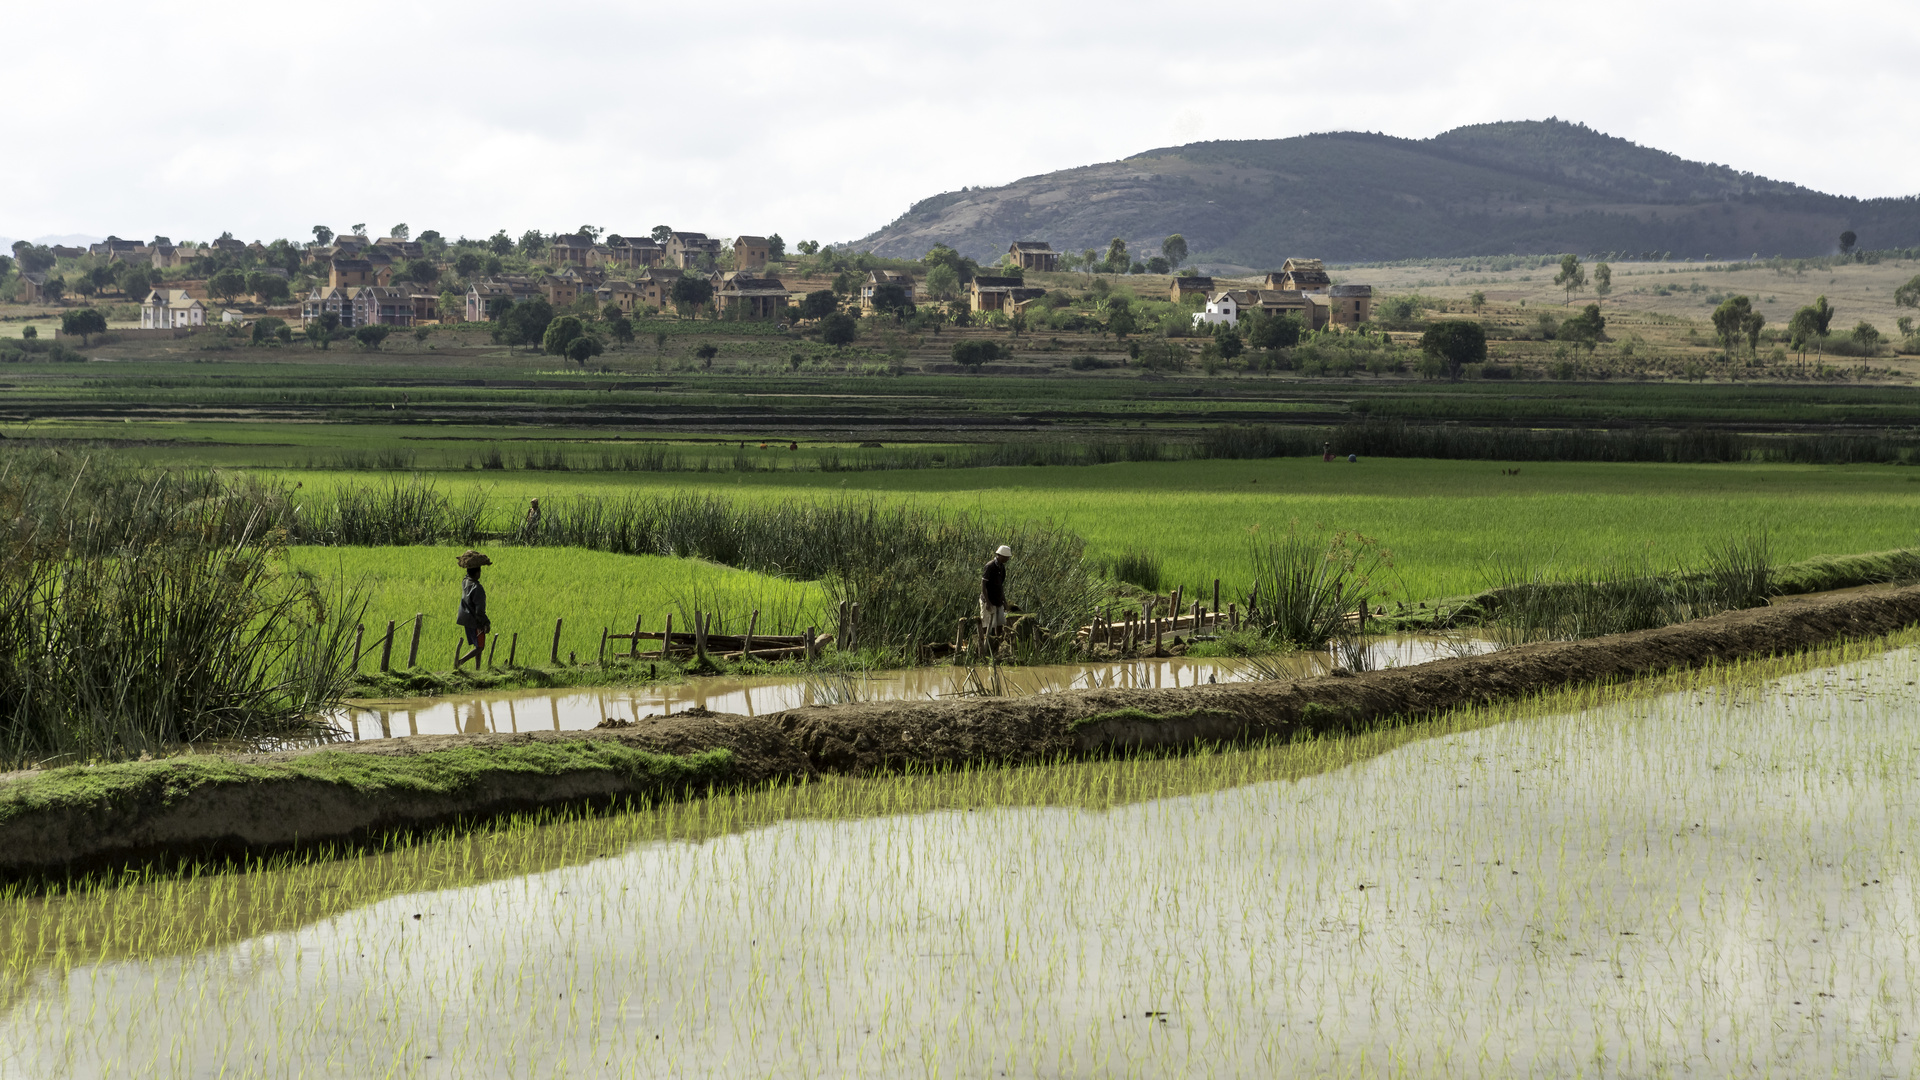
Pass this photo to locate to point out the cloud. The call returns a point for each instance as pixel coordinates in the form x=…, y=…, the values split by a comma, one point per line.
x=827, y=122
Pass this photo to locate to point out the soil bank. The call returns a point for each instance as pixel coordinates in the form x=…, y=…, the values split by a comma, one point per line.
x=203, y=805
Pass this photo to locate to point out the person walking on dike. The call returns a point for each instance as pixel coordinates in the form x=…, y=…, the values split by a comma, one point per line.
x=530, y=528
x=993, y=595
x=473, y=606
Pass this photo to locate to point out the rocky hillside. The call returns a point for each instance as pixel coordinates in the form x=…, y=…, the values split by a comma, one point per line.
x=1488, y=189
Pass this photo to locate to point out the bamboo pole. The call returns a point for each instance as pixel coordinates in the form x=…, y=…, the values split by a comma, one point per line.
x=555, y=654
x=603, y=645
x=753, y=623
x=413, y=651
x=634, y=652
x=386, y=650
x=493, y=642
x=513, y=648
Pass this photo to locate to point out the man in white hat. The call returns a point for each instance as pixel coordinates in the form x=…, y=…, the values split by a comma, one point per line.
x=993, y=593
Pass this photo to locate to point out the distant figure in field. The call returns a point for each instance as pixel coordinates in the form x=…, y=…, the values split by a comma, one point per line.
x=993, y=594
x=1326, y=451
x=530, y=528
x=473, y=605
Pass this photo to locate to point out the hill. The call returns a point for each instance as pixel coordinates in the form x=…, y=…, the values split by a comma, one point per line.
x=1487, y=189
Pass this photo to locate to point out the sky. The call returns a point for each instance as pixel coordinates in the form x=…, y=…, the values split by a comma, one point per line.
x=826, y=121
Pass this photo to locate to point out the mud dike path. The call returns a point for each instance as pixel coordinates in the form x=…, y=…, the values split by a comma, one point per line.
x=201, y=805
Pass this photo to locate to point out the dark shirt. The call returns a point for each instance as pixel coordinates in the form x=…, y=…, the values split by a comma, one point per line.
x=993, y=583
x=473, y=606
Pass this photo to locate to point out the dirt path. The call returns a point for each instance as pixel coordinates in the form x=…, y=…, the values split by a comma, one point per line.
x=203, y=804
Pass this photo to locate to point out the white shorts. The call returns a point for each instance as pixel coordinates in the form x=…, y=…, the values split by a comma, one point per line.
x=992, y=616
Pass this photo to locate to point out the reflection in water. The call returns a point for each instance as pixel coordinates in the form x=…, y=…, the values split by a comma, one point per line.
x=575, y=710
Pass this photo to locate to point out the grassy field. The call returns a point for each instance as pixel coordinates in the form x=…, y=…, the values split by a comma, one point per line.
x=1450, y=525
x=528, y=588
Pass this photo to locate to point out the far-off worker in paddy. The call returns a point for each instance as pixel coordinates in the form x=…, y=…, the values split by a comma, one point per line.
x=993, y=593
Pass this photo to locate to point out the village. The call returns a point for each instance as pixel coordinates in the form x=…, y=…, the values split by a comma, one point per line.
x=340, y=283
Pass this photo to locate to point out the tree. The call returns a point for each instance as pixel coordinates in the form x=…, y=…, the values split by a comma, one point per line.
x=1122, y=322
x=943, y=283
x=1227, y=340
x=581, y=349
x=819, y=304
x=268, y=288
x=1090, y=258
x=1275, y=332
x=1602, y=280
x=561, y=333
x=622, y=330
x=972, y=354
x=432, y=242
x=610, y=312
x=839, y=329
x=1159, y=265
x=467, y=264
x=892, y=300
x=1589, y=327
x=525, y=323
x=1455, y=343
x=809, y=247
x=360, y=229
x=400, y=232
x=500, y=244
x=320, y=331
x=706, y=352
x=533, y=243
x=591, y=232
x=1865, y=334
x=88, y=321
x=692, y=290
x=776, y=248
x=1478, y=301
x=269, y=330
x=1116, y=256
x=54, y=289
x=1164, y=355
x=424, y=271
x=283, y=254
x=1908, y=295
x=1735, y=319
x=322, y=235
x=227, y=284
x=1572, y=276
x=1175, y=249
x=371, y=335
x=661, y=233
x=1847, y=240
x=84, y=285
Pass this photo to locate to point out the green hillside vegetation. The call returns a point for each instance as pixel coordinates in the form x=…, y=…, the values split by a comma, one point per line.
x=1481, y=190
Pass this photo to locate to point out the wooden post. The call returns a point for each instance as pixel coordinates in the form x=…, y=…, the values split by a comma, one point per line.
x=959, y=636
x=813, y=644
x=493, y=642
x=386, y=649
x=753, y=623
x=555, y=654
x=603, y=645
x=358, y=634
x=513, y=648
x=700, y=637
x=1233, y=616
x=634, y=653
x=666, y=640
x=413, y=651
x=1216, y=602
x=840, y=626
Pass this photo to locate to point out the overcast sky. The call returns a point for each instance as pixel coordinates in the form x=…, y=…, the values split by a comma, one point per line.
x=826, y=121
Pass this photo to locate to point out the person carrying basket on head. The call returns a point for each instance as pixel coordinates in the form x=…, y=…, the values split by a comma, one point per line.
x=993, y=595
x=473, y=606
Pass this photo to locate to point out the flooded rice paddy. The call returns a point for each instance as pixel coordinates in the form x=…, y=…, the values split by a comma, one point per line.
x=1714, y=876
x=574, y=710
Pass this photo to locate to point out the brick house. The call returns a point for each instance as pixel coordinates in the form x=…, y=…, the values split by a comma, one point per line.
x=1300, y=275
x=1351, y=304
x=1034, y=255
x=401, y=249
x=485, y=298
x=1184, y=287
x=877, y=278
x=572, y=250
x=746, y=295
x=33, y=287
x=687, y=250
x=751, y=252
x=624, y=295
x=992, y=293
x=348, y=303
x=655, y=287
x=170, y=309
x=560, y=291
x=633, y=251
x=352, y=274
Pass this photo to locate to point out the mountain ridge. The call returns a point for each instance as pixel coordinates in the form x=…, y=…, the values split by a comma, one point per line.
x=1482, y=189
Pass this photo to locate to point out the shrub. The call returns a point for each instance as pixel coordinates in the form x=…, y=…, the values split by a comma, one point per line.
x=973, y=353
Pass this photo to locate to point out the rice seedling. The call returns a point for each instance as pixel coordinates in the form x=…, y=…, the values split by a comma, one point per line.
x=1706, y=872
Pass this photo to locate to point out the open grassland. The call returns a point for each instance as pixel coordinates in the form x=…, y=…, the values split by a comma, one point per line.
x=529, y=588
x=1701, y=873
x=1453, y=527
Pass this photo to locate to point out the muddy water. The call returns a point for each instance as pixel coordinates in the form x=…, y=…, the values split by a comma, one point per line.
x=573, y=710
x=1716, y=882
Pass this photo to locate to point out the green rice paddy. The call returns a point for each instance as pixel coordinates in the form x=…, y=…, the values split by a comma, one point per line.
x=1708, y=874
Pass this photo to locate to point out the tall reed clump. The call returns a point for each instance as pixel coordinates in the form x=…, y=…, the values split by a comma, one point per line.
x=139, y=612
x=1529, y=604
x=1310, y=587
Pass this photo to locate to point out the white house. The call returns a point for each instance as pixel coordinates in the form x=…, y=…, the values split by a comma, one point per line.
x=168, y=309
x=1223, y=308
